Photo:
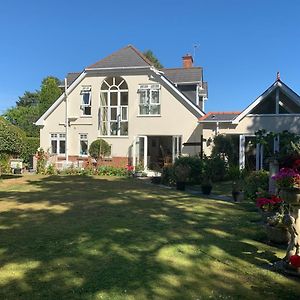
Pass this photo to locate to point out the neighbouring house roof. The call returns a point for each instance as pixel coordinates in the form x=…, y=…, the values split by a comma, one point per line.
x=277, y=84
x=126, y=57
x=184, y=75
x=219, y=117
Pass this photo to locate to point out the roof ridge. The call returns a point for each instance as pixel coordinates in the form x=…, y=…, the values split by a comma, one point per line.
x=138, y=52
x=181, y=68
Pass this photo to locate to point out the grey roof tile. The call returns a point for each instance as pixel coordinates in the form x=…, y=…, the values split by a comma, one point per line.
x=219, y=116
x=184, y=75
x=125, y=57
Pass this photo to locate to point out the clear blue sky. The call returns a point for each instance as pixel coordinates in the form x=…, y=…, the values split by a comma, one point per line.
x=242, y=43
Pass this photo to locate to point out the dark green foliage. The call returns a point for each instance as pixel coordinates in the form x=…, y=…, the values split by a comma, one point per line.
x=227, y=146
x=196, y=165
x=29, y=99
x=31, y=144
x=11, y=138
x=214, y=168
x=24, y=117
x=152, y=58
x=257, y=180
x=50, y=92
x=168, y=176
x=99, y=148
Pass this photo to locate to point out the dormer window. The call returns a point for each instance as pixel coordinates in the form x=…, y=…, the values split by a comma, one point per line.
x=86, y=105
x=149, y=99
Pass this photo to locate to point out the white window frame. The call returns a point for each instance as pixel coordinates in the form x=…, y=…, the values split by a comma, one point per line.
x=148, y=89
x=114, y=88
x=86, y=90
x=58, y=137
x=83, y=137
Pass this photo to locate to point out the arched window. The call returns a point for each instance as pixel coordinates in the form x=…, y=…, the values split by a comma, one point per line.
x=114, y=107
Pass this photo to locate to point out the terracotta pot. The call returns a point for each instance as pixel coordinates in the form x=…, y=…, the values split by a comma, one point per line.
x=290, y=195
x=278, y=235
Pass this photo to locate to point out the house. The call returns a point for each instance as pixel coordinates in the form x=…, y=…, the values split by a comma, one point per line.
x=148, y=116
x=277, y=109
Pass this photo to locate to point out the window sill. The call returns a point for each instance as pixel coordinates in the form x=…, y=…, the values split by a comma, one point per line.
x=149, y=116
x=113, y=136
x=86, y=116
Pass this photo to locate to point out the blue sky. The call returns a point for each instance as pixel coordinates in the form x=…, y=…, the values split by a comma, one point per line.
x=242, y=43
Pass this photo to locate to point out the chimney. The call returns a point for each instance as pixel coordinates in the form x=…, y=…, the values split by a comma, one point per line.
x=187, y=61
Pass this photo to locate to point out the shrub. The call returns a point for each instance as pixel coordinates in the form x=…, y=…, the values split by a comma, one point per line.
x=4, y=163
x=195, y=164
x=11, y=138
x=99, y=148
x=214, y=168
x=111, y=171
x=168, y=176
x=41, y=156
x=257, y=180
x=51, y=170
x=31, y=145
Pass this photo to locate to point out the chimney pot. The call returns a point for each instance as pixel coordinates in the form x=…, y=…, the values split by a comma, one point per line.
x=187, y=61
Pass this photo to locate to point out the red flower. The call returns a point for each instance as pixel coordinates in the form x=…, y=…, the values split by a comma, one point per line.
x=295, y=261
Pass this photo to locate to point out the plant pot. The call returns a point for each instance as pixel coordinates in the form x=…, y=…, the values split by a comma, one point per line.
x=206, y=189
x=290, y=195
x=17, y=171
x=278, y=235
x=180, y=185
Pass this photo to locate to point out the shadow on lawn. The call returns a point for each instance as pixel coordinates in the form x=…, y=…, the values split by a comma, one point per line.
x=82, y=237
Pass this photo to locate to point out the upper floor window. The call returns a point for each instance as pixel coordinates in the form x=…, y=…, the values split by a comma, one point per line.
x=113, y=117
x=149, y=99
x=58, y=143
x=86, y=104
x=83, y=144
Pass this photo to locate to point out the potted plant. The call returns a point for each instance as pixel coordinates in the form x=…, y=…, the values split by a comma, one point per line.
x=288, y=182
x=182, y=172
x=208, y=170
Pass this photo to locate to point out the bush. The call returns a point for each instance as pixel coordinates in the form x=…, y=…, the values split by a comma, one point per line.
x=111, y=171
x=11, y=138
x=214, y=168
x=31, y=145
x=4, y=163
x=168, y=176
x=99, y=148
x=196, y=167
x=257, y=180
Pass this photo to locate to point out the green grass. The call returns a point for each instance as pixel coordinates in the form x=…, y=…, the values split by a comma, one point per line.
x=115, y=238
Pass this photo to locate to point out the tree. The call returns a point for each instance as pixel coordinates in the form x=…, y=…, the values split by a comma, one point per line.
x=152, y=58
x=24, y=117
x=29, y=99
x=50, y=92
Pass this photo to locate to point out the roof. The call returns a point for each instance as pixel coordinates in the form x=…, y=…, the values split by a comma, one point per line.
x=184, y=75
x=277, y=84
x=127, y=57
x=219, y=116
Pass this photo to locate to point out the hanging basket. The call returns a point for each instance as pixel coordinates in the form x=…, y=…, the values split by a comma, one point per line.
x=290, y=195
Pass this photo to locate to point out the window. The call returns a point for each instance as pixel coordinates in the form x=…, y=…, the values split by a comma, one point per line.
x=113, y=117
x=83, y=144
x=149, y=99
x=58, y=143
x=86, y=105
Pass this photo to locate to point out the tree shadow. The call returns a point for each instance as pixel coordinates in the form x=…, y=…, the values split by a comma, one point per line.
x=77, y=237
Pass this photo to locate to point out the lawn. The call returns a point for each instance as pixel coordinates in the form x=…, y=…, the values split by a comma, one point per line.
x=81, y=237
